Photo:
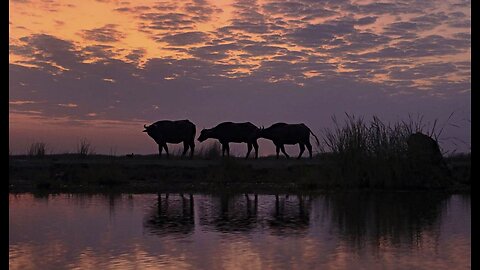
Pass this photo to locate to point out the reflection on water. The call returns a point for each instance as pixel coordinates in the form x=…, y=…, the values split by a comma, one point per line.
x=365, y=218
x=355, y=230
x=171, y=216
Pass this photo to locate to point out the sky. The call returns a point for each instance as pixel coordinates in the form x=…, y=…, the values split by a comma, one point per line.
x=101, y=69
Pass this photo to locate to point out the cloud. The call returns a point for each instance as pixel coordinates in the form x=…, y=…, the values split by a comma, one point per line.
x=185, y=38
x=359, y=41
x=46, y=49
x=136, y=55
x=461, y=24
x=422, y=71
x=421, y=47
x=298, y=9
x=416, y=25
x=394, y=8
x=68, y=105
x=99, y=51
x=315, y=35
x=292, y=60
x=168, y=21
x=366, y=20
x=214, y=52
x=263, y=49
x=248, y=18
x=133, y=10
x=462, y=3
x=107, y=33
x=200, y=10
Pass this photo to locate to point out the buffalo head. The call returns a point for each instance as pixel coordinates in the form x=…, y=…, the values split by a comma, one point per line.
x=258, y=133
x=204, y=134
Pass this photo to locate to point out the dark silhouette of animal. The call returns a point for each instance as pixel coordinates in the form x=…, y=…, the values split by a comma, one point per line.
x=228, y=132
x=423, y=148
x=282, y=133
x=426, y=159
x=167, y=131
x=129, y=155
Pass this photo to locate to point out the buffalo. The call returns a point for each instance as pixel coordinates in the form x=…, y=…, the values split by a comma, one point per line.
x=282, y=133
x=167, y=131
x=228, y=132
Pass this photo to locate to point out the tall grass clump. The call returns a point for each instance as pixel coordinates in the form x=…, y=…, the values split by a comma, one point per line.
x=37, y=149
x=84, y=148
x=374, y=154
x=212, y=151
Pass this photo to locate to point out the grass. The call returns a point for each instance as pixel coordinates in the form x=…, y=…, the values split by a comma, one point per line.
x=84, y=148
x=375, y=155
x=96, y=173
x=211, y=151
x=37, y=149
x=356, y=154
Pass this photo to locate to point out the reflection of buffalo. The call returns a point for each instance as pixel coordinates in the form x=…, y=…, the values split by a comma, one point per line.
x=167, y=131
x=230, y=213
x=290, y=215
x=228, y=132
x=281, y=134
x=172, y=215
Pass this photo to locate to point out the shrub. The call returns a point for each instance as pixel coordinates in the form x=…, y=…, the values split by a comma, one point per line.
x=84, y=148
x=374, y=154
x=212, y=151
x=37, y=149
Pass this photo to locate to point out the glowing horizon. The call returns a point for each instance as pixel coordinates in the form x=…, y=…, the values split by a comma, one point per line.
x=263, y=61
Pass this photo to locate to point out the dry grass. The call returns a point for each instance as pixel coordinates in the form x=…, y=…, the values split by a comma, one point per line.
x=374, y=154
x=37, y=149
x=84, y=148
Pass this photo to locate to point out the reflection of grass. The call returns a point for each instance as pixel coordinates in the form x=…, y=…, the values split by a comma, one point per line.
x=399, y=217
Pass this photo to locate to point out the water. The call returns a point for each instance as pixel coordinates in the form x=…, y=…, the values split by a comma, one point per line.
x=147, y=231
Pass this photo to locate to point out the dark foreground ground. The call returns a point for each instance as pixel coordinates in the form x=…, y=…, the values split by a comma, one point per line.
x=138, y=174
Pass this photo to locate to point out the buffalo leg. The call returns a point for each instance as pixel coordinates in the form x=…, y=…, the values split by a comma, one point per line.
x=278, y=150
x=160, y=148
x=223, y=149
x=227, y=147
x=302, y=149
x=282, y=147
x=192, y=148
x=255, y=146
x=166, y=149
x=309, y=148
x=185, y=148
x=249, y=149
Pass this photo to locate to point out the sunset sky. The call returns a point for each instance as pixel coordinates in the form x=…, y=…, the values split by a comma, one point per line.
x=100, y=69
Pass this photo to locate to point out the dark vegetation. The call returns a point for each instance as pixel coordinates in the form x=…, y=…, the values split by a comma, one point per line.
x=356, y=155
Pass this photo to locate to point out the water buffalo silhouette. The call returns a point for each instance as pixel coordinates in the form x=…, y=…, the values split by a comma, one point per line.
x=282, y=133
x=228, y=132
x=167, y=131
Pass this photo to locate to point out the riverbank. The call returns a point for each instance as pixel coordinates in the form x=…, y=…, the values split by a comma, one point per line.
x=140, y=174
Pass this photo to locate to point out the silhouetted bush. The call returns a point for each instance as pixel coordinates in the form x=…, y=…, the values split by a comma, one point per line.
x=84, y=148
x=212, y=151
x=37, y=149
x=375, y=154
